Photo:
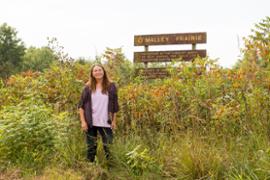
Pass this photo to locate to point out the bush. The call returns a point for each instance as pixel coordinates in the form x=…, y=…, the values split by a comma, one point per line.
x=27, y=133
x=31, y=133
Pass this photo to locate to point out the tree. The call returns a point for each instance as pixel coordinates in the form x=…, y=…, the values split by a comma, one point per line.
x=257, y=47
x=11, y=51
x=121, y=69
x=37, y=59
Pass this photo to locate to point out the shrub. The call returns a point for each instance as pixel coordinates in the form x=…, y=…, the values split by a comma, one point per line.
x=27, y=133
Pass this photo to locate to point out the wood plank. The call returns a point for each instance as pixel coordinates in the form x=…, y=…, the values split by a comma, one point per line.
x=152, y=73
x=167, y=56
x=166, y=39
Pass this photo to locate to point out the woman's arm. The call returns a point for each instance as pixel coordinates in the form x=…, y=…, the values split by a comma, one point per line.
x=81, y=107
x=83, y=121
x=115, y=106
x=114, y=121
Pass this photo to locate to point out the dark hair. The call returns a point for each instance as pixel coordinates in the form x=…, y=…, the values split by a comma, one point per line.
x=92, y=80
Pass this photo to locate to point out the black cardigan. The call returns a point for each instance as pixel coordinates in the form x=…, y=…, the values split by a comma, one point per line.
x=86, y=104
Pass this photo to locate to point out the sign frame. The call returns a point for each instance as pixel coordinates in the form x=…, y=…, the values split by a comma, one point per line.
x=167, y=39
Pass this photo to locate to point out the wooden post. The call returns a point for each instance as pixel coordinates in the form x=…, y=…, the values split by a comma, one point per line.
x=146, y=48
x=193, y=46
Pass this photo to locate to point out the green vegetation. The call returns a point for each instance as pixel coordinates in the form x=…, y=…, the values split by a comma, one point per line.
x=38, y=59
x=208, y=125
x=11, y=51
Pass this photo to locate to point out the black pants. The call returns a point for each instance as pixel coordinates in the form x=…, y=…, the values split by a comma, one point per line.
x=91, y=137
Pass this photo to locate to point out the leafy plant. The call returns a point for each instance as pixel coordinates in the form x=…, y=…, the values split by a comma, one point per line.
x=139, y=160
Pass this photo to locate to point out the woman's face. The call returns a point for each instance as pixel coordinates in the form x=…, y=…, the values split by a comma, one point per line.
x=98, y=72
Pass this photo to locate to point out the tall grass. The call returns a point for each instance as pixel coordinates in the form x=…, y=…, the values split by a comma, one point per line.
x=213, y=125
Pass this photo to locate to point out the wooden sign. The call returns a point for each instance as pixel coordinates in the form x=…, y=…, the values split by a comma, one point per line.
x=167, y=56
x=152, y=73
x=165, y=39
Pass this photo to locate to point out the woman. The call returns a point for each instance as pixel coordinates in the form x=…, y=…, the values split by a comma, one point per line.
x=98, y=106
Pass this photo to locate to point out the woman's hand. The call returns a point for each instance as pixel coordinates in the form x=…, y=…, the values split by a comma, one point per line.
x=84, y=126
x=114, y=124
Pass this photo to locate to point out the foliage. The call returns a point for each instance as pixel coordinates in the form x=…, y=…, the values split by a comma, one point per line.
x=31, y=134
x=38, y=59
x=139, y=160
x=58, y=51
x=120, y=69
x=26, y=133
x=257, y=47
x=11, y=51
x=219, y=100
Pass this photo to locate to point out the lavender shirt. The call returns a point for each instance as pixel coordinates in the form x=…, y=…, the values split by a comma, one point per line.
x=86, y=102
x=100, y=109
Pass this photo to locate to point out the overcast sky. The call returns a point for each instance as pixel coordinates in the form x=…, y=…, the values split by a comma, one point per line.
x=85, y=28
